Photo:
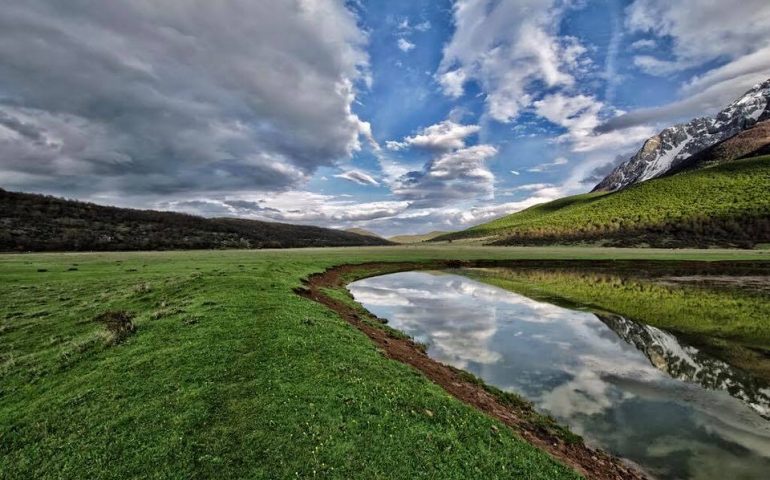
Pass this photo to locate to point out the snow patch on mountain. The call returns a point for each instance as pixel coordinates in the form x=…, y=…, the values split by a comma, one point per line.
x=670, y=147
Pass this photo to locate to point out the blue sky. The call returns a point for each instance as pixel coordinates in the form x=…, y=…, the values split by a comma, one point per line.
x=400, y=116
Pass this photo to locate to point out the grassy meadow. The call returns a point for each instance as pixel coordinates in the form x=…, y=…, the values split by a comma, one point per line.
x=225, y=372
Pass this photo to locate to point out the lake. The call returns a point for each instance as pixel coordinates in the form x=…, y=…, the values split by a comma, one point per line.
x=627, y=387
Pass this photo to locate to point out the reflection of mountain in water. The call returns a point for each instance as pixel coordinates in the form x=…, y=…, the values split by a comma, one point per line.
x=689, y=364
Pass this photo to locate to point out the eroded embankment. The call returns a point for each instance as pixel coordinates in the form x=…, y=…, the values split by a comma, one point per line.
x=518, y=414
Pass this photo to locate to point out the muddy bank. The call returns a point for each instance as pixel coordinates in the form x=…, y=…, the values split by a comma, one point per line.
x=593, y=464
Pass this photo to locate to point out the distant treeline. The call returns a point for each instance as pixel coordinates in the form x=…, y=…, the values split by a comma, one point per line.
x=31, y=222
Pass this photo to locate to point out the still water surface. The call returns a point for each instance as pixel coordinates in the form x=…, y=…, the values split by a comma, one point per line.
x=629, y=388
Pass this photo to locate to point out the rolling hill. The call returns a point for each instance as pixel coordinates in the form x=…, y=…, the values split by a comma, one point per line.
x=723, y=205
x=31, y=222
x=416, y=238
x=362, y=231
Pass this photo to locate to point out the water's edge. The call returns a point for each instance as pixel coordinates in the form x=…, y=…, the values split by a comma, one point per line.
x=524, y=345
x=330, y=289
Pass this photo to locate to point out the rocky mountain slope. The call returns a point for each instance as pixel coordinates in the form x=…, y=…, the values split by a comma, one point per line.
x=30, y=222
x=672, y=147
x=752, y=142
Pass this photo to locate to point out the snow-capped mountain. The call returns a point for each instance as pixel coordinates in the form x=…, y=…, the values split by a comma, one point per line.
x=669, y=148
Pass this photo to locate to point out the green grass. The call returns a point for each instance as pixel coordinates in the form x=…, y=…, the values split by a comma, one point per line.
x=729, y=199
x=230, y=374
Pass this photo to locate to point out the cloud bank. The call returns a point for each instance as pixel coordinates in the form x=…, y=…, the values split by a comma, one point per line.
x=167, y=97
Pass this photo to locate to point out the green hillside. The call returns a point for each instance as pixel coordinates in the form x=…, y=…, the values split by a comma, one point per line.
x=362, y=231
x=416, y=238
x=726, y=205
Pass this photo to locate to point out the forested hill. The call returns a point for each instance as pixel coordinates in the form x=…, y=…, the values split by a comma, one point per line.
x=31, y=222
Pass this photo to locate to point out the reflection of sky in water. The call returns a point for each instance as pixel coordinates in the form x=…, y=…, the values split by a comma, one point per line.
x=574, y=366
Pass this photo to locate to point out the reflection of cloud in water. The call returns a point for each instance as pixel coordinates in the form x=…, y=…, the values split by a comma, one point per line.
x=585, y=394
x=381, y=297
x=456, y=330
x=602, y=381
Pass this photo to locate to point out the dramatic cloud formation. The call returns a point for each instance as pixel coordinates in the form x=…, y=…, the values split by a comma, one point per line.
x=455, y=172
x=507, y=47
x=701, y=32
x=168, y=96
x=459, y=174
x=261, y=109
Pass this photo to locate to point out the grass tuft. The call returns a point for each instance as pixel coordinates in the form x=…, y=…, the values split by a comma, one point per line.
x=119, y=325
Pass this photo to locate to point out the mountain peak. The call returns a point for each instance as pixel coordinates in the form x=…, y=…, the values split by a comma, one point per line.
x=672, y=146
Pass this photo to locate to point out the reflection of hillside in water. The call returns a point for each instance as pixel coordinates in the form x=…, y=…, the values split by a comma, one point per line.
x=689, y=364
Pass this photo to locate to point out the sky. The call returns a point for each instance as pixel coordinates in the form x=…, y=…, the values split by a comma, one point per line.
x=397, y=116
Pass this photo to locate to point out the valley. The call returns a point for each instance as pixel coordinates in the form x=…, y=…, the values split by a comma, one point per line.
x=226, y=371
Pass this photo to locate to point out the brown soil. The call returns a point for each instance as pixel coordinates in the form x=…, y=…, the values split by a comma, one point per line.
x=593, y=464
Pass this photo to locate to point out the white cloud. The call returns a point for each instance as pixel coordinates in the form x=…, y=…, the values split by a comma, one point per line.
x=480, y=214
x=359, y=177
x=644, y=44
x=701, y=31
x=455, y=172
x=580, y=115
x=544, y=167
x=656, y=66
x=453, y=82
x=506, y=47
x=732, y=78
x=294, y=206
x=451, y=176
x=423, y=26
x=705, y=94
x=405, y=45
x=405, y=26
x=736, y=34
x=577, y=113
x=443, y=136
